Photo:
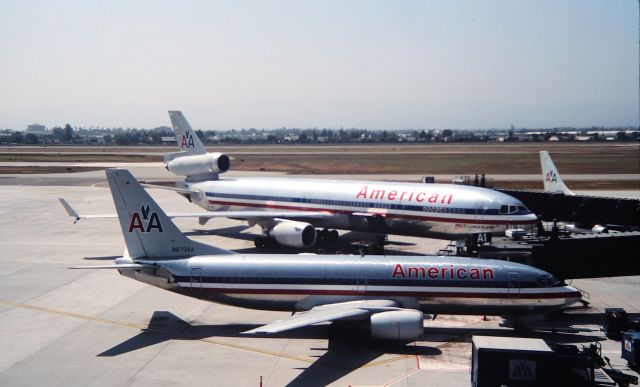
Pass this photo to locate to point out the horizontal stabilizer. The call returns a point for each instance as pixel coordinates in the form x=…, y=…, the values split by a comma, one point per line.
x=130, y=266
x=74, y=214
x=244, y=215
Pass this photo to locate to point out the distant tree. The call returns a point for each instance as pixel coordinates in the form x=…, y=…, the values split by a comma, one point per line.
x=58, y=133
x=30, y=138
x=17, y=137
x=622, y=136
x=68, y=133
x=447, y=133
x=201, y=135
x=121, y=139
x=303, y=138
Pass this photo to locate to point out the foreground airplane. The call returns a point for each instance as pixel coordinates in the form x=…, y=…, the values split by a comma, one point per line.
x=392, y=293
x=289, y=210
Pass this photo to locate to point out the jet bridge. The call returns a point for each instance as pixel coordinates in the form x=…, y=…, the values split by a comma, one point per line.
x=572, y=256
x=580, y=209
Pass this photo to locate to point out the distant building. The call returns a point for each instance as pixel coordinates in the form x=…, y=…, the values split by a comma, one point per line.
x=169, y=140
x=36, y=128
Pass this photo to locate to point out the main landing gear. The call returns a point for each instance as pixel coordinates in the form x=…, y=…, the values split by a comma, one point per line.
x=328, y=235
x=265, y=242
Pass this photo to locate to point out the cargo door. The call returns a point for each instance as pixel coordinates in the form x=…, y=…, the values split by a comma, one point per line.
x=196, y=281
x=513, y=287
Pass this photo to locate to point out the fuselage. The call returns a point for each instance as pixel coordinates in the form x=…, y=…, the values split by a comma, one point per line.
x=444, y=211
x=433, y=284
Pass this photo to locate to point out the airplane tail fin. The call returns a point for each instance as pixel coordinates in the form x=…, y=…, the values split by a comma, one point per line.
x=147, y=230
x=551, y=177
x=188, y=142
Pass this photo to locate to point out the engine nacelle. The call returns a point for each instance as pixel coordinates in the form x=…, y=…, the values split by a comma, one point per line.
x=199, y=164
x=405, y=325
x=599, y=229
x=294, y=234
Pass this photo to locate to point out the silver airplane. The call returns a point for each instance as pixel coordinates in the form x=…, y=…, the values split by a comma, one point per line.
x=290, y=210
x=391, y=292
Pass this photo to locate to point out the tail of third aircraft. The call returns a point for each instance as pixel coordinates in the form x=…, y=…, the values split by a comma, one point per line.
x=188, y=141
x=551, y=177
x=148, y=231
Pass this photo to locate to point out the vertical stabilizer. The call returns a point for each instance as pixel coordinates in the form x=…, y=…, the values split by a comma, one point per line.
x=551, y=177
x=188, y=141
x=147, y=230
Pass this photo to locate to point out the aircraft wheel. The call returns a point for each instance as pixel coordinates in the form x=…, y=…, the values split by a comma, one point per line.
x=259, y=242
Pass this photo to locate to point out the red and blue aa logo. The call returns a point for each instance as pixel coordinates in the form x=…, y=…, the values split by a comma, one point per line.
x=551, y=177
x=187, y=140
x=145, y=220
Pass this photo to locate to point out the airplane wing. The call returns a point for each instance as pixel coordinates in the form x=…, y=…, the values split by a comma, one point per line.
x=174, y=189
x=211, y=214
x=324, y=313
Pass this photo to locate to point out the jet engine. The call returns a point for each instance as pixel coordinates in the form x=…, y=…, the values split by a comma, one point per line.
x=294, y=234
x=199, y=164
x=405, y=325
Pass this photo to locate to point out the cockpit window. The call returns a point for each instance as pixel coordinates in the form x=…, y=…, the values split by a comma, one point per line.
x=506, y=209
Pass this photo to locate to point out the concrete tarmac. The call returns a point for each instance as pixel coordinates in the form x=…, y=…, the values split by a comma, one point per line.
x=91, y=327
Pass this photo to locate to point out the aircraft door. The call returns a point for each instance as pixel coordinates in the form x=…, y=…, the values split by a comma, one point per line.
x=361, y=286
x=513, y=287
x=196, y=281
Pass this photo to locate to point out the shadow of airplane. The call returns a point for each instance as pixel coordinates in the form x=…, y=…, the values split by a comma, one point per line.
x=344, y=356
x=346, y=350
x=349, y=346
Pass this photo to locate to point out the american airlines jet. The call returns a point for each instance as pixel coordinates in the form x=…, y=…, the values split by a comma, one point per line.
x=290, y=209
x=391, y=293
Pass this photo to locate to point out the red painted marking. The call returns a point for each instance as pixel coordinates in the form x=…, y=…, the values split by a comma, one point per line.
x=388, y=215
x=390, y=293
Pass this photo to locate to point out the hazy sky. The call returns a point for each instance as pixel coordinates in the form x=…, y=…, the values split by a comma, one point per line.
x=267, y=64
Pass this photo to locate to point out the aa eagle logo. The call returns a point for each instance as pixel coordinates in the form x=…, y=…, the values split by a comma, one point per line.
x=187, y=141
x=551, y=177
x=145, y=221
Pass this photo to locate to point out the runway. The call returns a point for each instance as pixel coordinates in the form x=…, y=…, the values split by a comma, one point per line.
x=91, y=327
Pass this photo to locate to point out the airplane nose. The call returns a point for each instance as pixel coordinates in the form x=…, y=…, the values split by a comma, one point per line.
x=572, y=295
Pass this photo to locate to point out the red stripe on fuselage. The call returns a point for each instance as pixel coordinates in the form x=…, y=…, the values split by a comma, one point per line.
x=386, y=215
x=389, y=293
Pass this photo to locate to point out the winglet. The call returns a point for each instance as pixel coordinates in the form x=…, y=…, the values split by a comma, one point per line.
x=551, y=177
x=72, y=213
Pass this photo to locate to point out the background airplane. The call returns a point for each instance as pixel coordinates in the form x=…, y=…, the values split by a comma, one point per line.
x=551, y=177
x=291, y=209
x=391, y=293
